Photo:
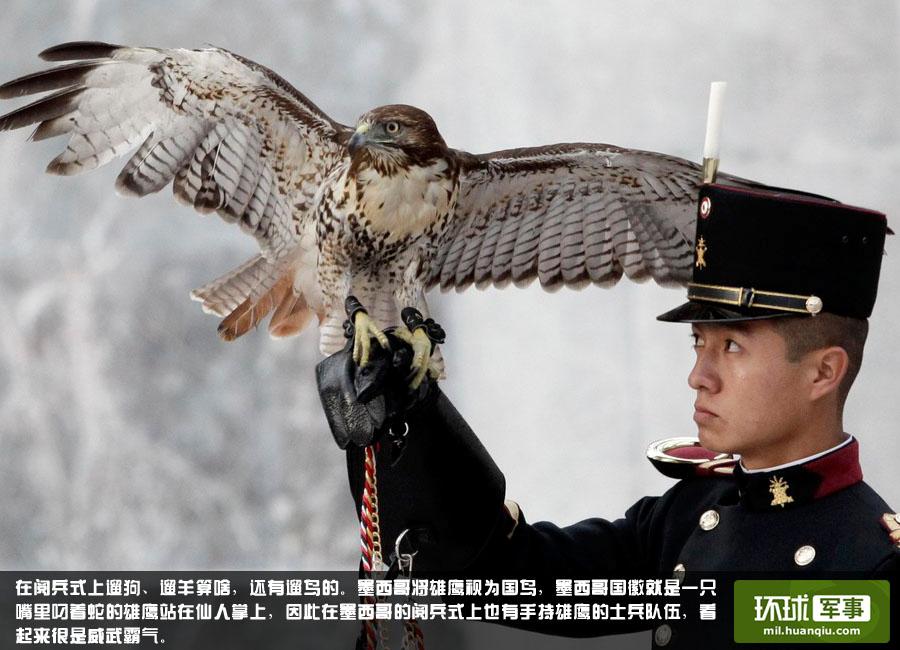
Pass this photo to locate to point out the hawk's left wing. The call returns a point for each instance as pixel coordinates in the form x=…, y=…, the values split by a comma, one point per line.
x=569, y=215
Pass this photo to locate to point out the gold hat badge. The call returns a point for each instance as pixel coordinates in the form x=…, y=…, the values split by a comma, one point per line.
x=701, y=252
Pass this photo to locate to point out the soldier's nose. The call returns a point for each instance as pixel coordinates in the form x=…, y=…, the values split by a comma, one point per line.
x=703, y=375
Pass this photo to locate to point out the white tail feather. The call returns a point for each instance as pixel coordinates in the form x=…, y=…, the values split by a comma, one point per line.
x=225, y=293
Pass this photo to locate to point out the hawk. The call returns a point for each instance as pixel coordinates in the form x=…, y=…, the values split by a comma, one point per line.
x=384, y=210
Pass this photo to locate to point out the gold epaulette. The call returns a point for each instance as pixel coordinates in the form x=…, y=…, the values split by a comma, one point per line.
x=683, y=457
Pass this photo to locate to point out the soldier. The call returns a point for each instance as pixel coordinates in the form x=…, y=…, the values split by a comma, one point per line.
x=782, y=286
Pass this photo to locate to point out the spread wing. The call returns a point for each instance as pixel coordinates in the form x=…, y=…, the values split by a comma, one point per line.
x=230, y=135
x=569, y=215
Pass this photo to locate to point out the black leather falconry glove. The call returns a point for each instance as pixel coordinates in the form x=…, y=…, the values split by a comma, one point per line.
x=362, y=404
x=437, y=485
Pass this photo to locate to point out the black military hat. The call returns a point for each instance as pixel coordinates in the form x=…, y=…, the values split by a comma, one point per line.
x=763, y=253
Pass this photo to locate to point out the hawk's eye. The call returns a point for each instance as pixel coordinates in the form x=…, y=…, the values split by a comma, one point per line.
x=392, y=127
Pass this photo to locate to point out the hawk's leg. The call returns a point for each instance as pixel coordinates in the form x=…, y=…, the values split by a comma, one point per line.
x=422, y=335
x=364, y=330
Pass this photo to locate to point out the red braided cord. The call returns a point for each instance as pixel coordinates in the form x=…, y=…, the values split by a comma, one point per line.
x=371, y=631
x=412, y=635
x=365, y=518
x=370, y=542
x=367, y=541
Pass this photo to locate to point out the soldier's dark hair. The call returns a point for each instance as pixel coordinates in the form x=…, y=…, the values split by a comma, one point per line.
x=805, y=334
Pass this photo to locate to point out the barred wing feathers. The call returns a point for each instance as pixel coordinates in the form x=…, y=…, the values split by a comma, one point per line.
x=570, y=215
x=230, y=135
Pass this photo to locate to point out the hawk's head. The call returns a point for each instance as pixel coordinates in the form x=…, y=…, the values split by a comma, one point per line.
x=397, y=134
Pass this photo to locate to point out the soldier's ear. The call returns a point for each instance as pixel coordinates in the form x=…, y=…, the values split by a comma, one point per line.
x=828, y=367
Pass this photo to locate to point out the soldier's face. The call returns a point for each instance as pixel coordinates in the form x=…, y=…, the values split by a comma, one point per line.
x=750, y=399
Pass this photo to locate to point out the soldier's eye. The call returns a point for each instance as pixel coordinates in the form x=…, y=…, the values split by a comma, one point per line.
x=732, y=346
x=697, y=340
x=392, y=127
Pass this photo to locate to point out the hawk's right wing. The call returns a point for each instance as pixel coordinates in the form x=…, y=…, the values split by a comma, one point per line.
x=233, y=136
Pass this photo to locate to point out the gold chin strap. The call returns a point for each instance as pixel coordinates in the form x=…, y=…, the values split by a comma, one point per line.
x=754, y=298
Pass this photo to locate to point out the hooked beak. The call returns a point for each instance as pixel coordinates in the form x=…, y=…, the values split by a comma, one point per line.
x=358, y=139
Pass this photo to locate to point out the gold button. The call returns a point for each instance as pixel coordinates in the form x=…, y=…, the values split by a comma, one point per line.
x=804, y=555
x=678, y=572
x=709, y=520
x=662, y=635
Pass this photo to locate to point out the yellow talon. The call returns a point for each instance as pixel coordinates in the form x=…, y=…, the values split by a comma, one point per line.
x=421, y=361
x=434, y=370
x=365, y=330
x=404, y=334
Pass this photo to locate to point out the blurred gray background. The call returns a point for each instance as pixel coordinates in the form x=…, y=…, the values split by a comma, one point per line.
x=131, y=437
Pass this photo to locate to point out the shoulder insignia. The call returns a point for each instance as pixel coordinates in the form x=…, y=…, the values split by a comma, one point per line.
x=683, y=457
x=891, y=523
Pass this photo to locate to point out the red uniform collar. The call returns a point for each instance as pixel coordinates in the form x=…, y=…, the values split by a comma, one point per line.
x=798, y=484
